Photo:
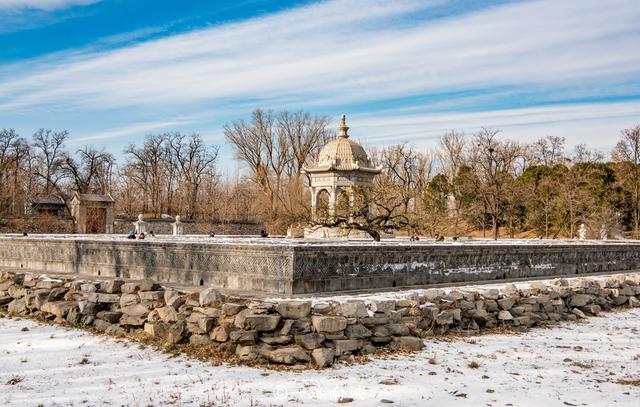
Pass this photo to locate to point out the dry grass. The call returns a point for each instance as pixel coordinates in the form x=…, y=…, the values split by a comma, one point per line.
x=473, y=364
x=13, y=381
x=635, y=383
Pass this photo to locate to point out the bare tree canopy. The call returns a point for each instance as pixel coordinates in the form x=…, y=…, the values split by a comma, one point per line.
x=464, y=185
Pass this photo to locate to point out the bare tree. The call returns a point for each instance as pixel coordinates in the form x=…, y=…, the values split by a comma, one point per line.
x=549, y=150
x=493, y=161
x=14, y=155
x=275, y=147
x=91, y=171
x=195, y=161
x=627, y=151
x=452, y=157
x=50, y=155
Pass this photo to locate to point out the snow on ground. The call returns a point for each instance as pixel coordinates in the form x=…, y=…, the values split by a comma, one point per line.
x=570, y=364
x=282, y=241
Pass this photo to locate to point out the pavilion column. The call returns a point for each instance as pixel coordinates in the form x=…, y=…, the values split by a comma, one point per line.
x=352, y=201
x=314, y=204
x=333, y=197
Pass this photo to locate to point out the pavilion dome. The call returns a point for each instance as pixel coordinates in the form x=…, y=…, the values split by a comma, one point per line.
x=343, y=153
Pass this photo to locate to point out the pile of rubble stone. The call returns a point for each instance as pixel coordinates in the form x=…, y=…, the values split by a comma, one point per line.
x=306, y=331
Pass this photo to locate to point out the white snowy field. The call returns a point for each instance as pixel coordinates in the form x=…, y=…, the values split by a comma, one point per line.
x=571, y=364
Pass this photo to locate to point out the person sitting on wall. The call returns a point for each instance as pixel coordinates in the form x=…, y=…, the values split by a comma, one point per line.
x=263, y=233
x=439, y=238
x=141, y=236
x=151, y=234
x=212, y=234
x=131, y=235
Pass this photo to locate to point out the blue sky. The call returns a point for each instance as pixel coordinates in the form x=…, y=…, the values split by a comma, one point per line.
x=112, y=71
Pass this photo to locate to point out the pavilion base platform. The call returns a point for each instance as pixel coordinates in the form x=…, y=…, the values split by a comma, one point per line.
x=299, y=266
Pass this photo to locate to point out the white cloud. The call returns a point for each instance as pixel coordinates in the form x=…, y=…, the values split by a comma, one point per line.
x=339, y=53
x=136, y=128
x=329, y=53
x=47, y=5
x=596, y=124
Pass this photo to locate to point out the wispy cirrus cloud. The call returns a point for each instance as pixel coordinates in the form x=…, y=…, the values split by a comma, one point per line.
x=358, y=55
x=48, y=5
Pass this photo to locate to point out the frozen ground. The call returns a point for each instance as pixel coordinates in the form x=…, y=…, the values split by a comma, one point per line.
x=281, y=241
x=572, y=364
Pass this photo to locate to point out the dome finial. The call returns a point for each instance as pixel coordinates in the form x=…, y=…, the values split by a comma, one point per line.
x=343, y=128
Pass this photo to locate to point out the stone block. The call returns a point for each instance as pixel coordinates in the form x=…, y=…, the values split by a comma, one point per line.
x=88, y=288
x=330, y=324
x=111, y=286
x=276, y=340
x=157, y=329
x=294, y=309
x=261, y=323
x=230, y=309
x=247, y=353
x=357, y=331
x=129, y=299
x=167, y=314
x=59, y=308
x=323, y=357
x=321, y=308
x=210, y=296
x=505, y=316
x=345, y=346
x=152, y=296
x=580, y=300
x=398, y=329
x=135, y=310
x=221, y=333
x=352, y=309
x=410, y=343
x=210, y=312
x=48, y=284
x=199, y=340
x=176, y=332
x=620, y=300
x=244, y=337
x=445, y=317
x=130, y=288
x=101, y=325
x=148, y=284
x=287, y=355
x=310, y=341
x=132, y=320
x=109, y=316
x=383, y=306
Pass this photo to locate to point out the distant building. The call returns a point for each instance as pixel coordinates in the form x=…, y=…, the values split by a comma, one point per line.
x=93, y=213
x=47, y=205
x=342, y=166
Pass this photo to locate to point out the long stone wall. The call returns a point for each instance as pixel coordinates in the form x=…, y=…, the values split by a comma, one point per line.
x=306, y=332
x=351, y=267
x=299, y=266
x=241, y=267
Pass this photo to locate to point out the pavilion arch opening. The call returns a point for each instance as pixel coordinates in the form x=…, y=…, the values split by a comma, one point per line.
x=343, y=206
x=322, y=204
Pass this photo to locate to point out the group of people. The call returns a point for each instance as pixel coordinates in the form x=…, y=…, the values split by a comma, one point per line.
x=437, y=237
x=132, y=235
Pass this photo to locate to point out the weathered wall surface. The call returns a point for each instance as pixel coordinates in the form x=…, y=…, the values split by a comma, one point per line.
x=291, y=267
x=336, y=268
x=241, y=267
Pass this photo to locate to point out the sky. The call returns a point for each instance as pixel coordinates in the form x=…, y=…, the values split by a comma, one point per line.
x=112, y=71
